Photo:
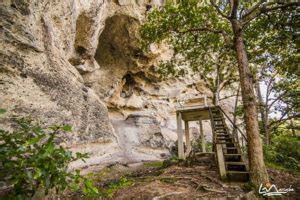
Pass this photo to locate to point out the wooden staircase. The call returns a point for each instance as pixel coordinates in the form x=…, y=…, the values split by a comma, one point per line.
x=232, y=166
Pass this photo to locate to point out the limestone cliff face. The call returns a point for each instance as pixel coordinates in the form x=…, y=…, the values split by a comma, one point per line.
x=78, y=62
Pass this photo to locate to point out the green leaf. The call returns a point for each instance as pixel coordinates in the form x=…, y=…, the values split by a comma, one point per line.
x=29, y=175
x=89, y=187
x=50, y=148
x=67, y=128
x=2, y=111
x=38, y=174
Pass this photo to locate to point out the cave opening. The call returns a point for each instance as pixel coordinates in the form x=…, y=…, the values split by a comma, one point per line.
x=129, y=86
x=118, y=44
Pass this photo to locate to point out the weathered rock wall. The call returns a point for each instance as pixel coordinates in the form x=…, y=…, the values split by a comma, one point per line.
x=79, y=62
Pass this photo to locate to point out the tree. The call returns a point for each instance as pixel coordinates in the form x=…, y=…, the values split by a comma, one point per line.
x=281, y=99
x=275, y=63
x=209, y=28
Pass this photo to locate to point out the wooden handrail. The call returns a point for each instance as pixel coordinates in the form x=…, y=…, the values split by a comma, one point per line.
x=213, y=128
x=234, y=125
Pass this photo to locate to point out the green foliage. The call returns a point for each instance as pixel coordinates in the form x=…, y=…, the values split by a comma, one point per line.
x=115, y=186
x=203, y=39
x=157, y=164
x=185, y=28
x=284, y=151
x=208, y=146
x=31, y=160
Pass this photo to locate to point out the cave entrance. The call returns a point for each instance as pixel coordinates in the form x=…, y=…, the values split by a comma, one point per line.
x=118, y=42
x=117, y=46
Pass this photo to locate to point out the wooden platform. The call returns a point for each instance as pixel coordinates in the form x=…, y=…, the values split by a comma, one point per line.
x=231, y=163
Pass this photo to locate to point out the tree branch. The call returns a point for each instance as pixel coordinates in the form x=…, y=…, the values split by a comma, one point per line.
x=226, y=97
x=276, y=99
x=264, y=10
x=275, y=124
x=234, y=6
x=206, y=29
x=251, y=10
x=218, y=9
x=200, y=30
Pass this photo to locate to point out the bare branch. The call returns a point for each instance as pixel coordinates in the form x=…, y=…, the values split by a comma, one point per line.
x=276, y=99
x=226, y=97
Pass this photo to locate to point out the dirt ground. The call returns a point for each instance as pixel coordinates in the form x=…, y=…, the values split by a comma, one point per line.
x=192, y=179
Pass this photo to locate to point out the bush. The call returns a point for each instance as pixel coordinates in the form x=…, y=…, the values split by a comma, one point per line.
x=30, y=160
x=284, y=151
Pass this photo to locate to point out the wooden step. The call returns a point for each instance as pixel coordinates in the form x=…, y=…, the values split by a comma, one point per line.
x=218, y=119
x=223, y=135
x=224, y=142
x=235, y=166
x=219, y=125
x=234, y=157
x=221, y=131
x=231, y=150
x=221, y=139
x=237, y=176
x=216, y=113
x=234, y=163
x=224, y=138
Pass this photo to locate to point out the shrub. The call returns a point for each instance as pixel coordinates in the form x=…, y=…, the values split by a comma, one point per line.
x=113, y=187
x=284, y=151
x=30, y=160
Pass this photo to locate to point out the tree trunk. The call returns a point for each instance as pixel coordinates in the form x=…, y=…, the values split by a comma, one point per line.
x=258, y=172
x=292, y=124
x=267, y=126
x=235, y=109
x=263, y=113
x=260, y=102
x=217, y=84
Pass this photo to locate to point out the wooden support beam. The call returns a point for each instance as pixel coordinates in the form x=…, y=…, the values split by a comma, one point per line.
x=202, y=138
x=187, y=138
x=180, y=136
x=221, y=161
